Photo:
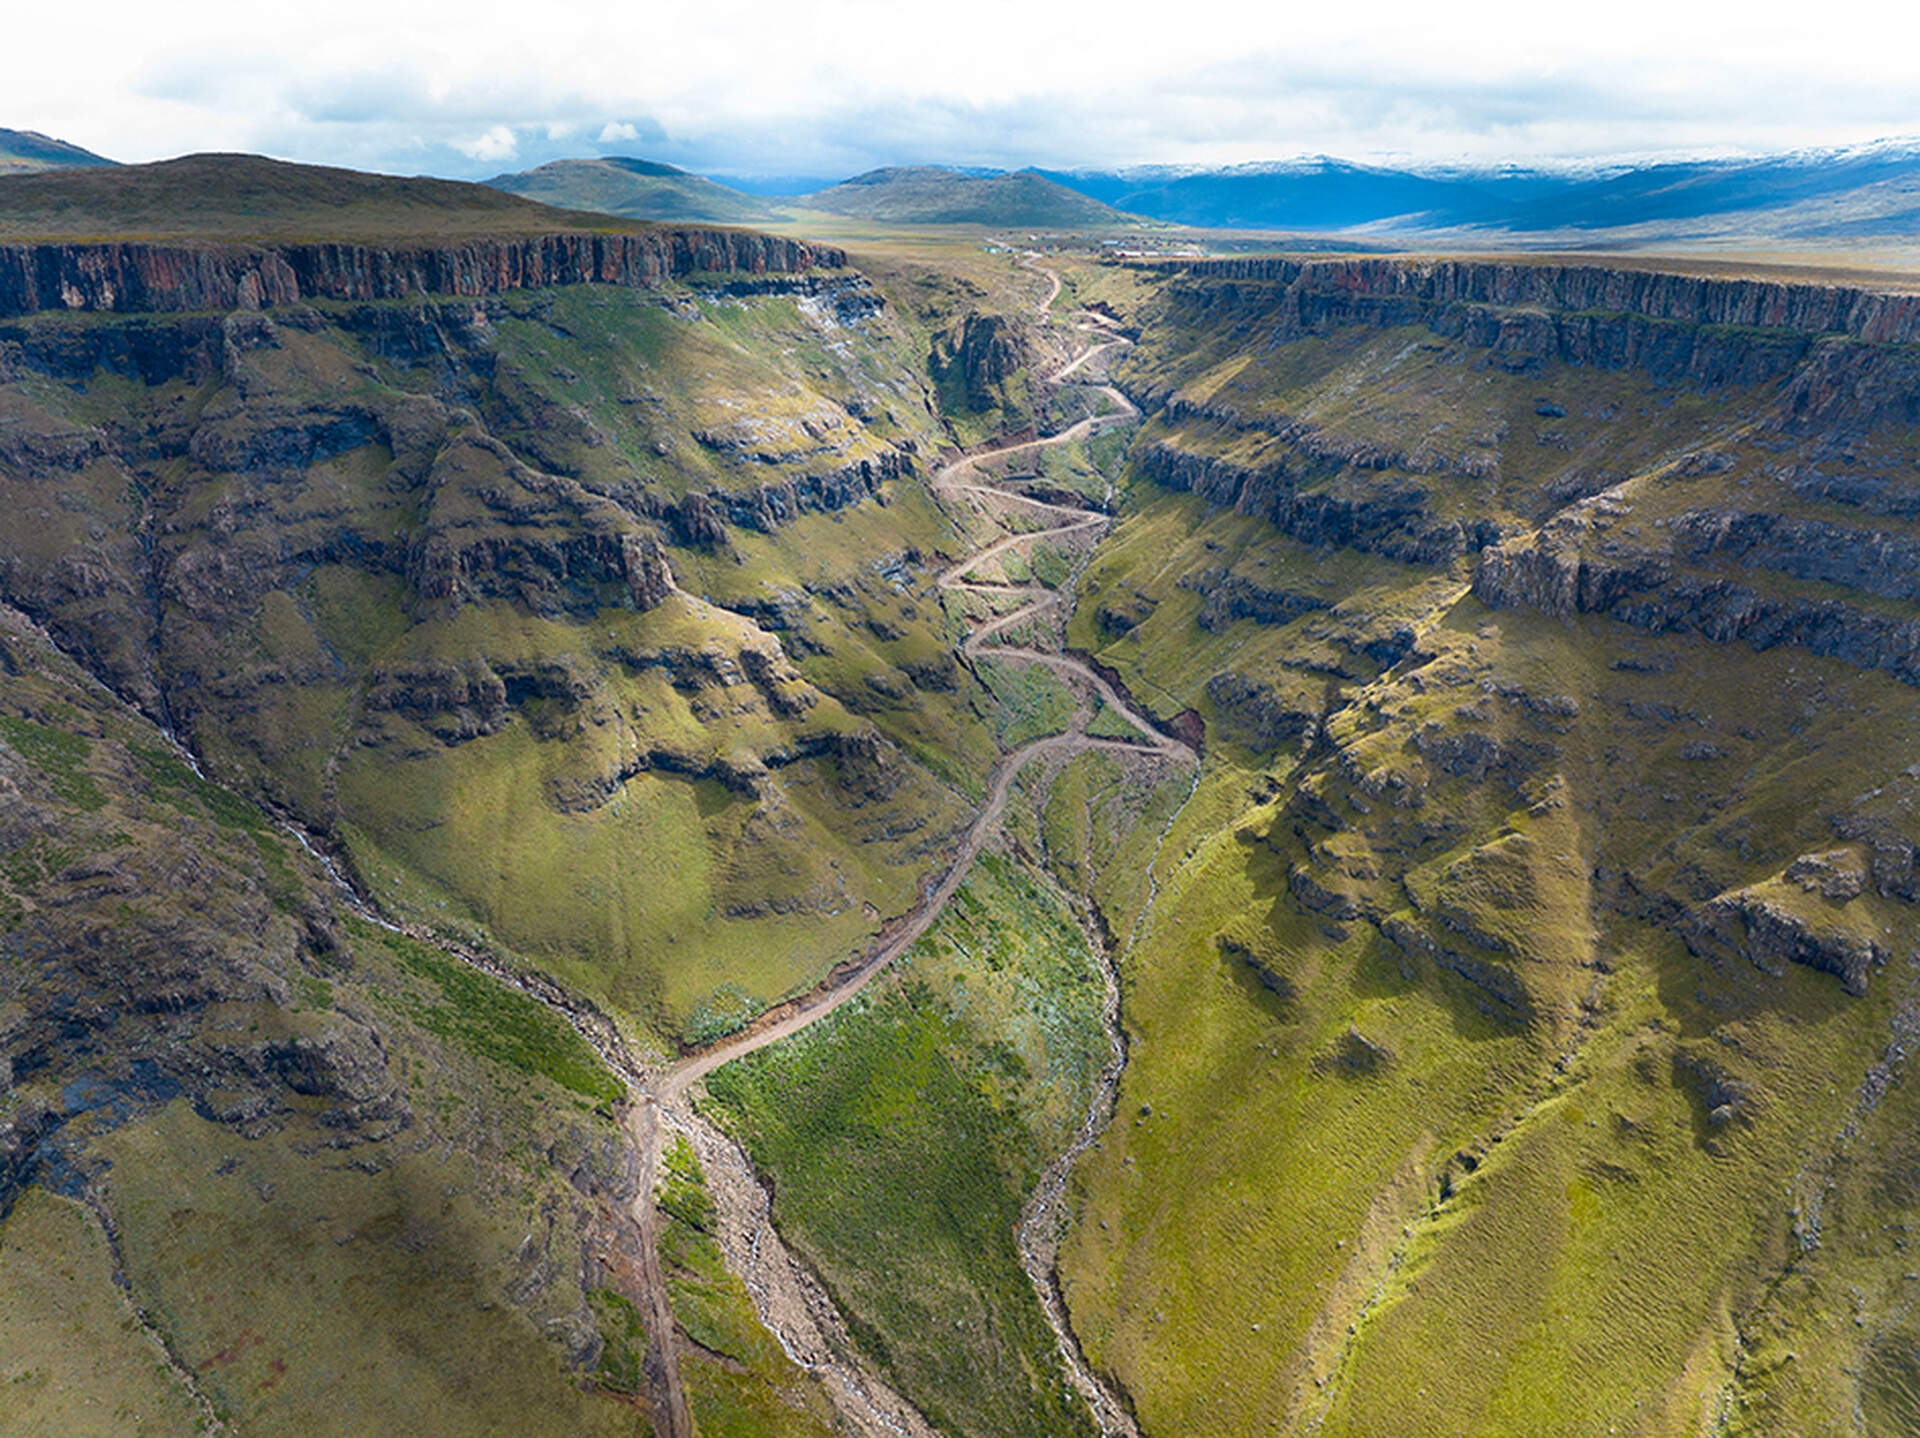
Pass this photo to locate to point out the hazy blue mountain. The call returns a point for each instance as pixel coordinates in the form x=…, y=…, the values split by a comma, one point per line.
x=1871, y=189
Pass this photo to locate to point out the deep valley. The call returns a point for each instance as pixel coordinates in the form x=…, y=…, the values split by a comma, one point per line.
x=665, y=829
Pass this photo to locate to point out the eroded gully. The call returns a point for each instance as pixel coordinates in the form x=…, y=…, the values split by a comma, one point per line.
x=790, y=1300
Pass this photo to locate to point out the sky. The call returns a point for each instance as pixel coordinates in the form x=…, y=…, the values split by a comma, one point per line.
x=746, y=88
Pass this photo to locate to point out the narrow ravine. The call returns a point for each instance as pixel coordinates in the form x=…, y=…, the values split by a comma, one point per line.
x=862, y=1398
x=1043, y=1221
x=790, y=1301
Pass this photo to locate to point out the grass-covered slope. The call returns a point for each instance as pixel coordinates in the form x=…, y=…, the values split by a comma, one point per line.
x=1518, y=1007
x=1518, y=1037
x=25, y=152
x=261, y=1162
x=596, y=629
x=639, y=189
x=930, y=195
x=250, y=197
x=592, y=617
x=904, y=1133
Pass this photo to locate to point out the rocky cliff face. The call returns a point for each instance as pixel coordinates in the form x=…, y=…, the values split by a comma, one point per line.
x=1758, y=491
x=1391, y=520
x=982, y=353
x=127, y=278
x=702, y=518
x=366, y=555
x=1561, y=571
x=1379, y=288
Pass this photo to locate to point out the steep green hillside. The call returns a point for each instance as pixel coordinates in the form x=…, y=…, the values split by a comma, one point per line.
x=1547, y=912
x=261, y=1161
x=639, y=189
x=588, y=616
x=929, y=195
x=925, y=1117
x=591, y=628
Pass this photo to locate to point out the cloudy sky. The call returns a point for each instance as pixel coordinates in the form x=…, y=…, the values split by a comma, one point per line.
x=746, y=87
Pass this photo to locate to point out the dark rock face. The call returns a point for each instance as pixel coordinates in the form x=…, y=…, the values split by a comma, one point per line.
x=1232, y=596
x=1496, y=980
x=1871, y=561
x=1749, y=926
x=1723, y=1097
x=348, y=1065
x=1837, y=875
x=1124, y=611
x=1257, y=714
x=1395, y=524
x=1476, y=756
x=1560, y=581
x=1642, y=589
x=1319, y=897
x=985, y=350
x=1396, y=291
x=131, y=278
x=702, y=518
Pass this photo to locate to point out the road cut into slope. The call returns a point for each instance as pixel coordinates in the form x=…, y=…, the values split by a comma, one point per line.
x=662, y=1102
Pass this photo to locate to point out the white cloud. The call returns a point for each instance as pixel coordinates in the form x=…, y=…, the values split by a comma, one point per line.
x=492, y=146
x=847, y=84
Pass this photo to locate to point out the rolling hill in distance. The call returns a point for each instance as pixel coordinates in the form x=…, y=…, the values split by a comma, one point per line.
x=914, y=195
x=251, y=197
x=1806, y=197
x=1811, y=198
x=640, y=189
x=932, y=195
x=616, y=820
x=28, y=151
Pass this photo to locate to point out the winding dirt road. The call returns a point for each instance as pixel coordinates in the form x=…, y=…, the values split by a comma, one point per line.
x=963, y=477
x=660, y=1094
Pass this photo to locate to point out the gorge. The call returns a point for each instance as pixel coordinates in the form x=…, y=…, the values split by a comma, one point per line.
x=661, y=829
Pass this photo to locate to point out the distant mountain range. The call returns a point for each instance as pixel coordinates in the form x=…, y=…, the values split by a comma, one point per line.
x=904, y=195
x=26, y=151
x=1811, y=195
x=1873, y=189
x=931, y=195
x=1313, y=194
x=1815, y=195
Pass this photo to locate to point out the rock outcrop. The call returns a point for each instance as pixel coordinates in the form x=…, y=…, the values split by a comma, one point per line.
x=983, y=351
x=1394, y=521
x=1643, y=589
x=1259, y=715
x=1234, y=596
x=1769, y=935
x=701, y=517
